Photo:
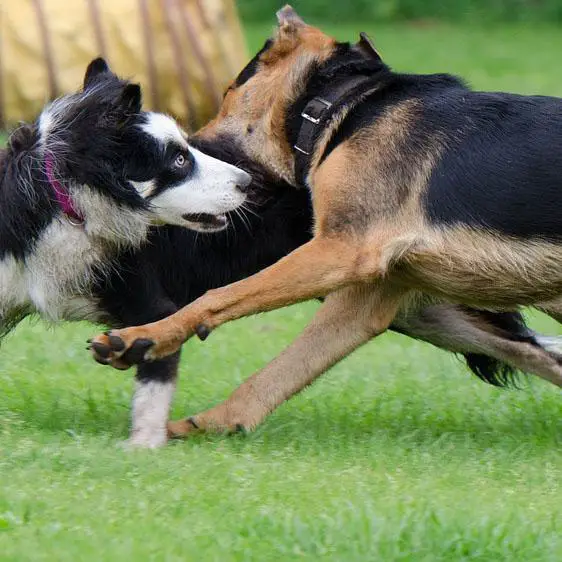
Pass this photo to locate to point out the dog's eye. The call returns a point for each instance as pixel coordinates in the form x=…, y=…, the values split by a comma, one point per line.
x=180, y=161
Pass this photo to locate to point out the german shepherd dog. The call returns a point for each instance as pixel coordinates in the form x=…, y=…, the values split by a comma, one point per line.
x=419, y=185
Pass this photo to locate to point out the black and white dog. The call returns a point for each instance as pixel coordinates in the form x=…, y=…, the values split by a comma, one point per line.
x=85, y=182
x=79, y=191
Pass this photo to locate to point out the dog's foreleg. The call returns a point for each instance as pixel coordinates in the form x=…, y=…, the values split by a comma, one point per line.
x=348, y=318
x=315, y=269
x=155, y=386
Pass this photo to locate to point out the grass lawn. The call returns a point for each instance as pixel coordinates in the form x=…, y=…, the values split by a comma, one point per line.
x=396, y=454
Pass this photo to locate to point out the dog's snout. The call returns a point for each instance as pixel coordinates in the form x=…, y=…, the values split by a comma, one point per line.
x=243, y=182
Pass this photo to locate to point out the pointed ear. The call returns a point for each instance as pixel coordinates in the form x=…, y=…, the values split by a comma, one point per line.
x=131, y=98
x=288, y=20
x=95, y=68
x=367, y=47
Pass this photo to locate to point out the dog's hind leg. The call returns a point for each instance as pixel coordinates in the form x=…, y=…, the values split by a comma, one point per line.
x=494, y=346
x=347, y=319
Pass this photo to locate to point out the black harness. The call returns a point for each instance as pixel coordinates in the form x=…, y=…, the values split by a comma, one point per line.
x=316, y=116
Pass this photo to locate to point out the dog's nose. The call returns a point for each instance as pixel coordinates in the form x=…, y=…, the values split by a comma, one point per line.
x=244, y=181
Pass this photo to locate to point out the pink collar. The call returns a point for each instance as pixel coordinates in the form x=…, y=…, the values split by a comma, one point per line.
x=62, y=196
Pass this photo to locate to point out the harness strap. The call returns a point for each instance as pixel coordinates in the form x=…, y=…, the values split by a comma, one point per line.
x=315, y=116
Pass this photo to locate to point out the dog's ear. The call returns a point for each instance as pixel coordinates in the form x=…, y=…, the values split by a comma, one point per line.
x=131, y=98
x=367, y=47
x=95, y=68
x=289, y=22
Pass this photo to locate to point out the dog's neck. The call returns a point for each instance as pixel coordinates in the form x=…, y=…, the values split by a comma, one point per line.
x=61, y=194
x=330, y=91
x=32, y=196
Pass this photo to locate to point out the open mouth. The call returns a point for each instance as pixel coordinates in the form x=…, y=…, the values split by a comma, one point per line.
x=207, y=222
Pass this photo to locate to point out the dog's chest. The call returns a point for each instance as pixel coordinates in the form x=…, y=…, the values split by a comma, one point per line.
x=55, y=279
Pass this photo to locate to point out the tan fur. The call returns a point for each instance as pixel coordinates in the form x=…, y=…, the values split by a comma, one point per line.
x=262, y=106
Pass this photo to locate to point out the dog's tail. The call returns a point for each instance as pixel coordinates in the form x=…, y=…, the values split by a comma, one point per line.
x=512, y=326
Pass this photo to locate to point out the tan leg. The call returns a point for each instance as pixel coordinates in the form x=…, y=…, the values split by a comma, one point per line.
x=313, y=270
x=348, y=318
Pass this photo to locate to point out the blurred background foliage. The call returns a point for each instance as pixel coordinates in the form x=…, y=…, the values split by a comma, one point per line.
x=477, y=11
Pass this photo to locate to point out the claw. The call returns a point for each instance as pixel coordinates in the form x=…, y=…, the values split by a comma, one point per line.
x=202, y=332
x=100, y=360
x=241, y=429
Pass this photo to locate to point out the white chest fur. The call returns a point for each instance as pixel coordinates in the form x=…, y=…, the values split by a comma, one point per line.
x=56, y=278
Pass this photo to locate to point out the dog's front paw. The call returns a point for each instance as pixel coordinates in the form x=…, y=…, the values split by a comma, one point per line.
x=182, y=428
x=121, y=348
x=145, y=440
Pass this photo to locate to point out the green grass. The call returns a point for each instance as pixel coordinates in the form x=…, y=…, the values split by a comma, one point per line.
x=467, y=11
x=396, y=454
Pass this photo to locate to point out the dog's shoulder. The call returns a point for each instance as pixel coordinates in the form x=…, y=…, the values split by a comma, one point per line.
x=395, y=90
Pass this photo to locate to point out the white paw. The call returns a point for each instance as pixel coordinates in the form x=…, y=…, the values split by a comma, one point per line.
x=145, y=440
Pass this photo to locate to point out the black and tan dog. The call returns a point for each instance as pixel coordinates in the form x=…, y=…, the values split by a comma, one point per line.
x=420, y=186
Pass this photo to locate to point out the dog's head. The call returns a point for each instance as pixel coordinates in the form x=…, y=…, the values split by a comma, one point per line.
x=258, y=104
x=99, y=140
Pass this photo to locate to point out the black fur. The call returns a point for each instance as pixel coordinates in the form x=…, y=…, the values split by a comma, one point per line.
x=103, y=135
x=350, y=61
x=95, y=138
x=492, y=371
x=346, y=62
x=176, y=266
x=252, y=67
x=105, y=140
x=508, y=178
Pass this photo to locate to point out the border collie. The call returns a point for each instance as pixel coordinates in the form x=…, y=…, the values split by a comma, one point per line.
x=85, y=182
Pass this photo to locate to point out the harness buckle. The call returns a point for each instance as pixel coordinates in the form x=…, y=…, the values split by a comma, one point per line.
x=313, y=119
